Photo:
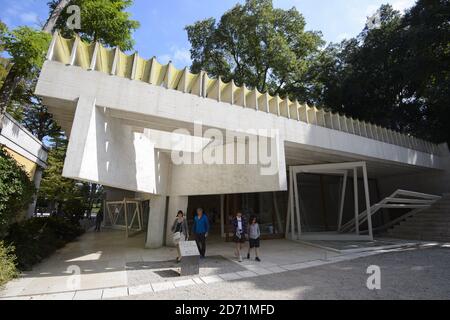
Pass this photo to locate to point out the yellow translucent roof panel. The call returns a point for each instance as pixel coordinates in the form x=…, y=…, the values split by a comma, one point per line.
x=105, y=58
x=124, y=66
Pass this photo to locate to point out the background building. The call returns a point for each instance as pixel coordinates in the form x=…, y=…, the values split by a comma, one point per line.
x=28, y=151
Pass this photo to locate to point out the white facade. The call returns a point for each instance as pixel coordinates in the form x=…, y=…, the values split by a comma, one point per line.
x=28, y=151
x=122, y=136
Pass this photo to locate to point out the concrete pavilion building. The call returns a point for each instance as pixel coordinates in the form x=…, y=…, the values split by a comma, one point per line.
x=162, y=139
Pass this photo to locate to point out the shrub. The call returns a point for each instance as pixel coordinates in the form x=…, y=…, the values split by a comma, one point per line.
x=37, y=238
x=7, y=263
x=16, y=190
x=74, y=209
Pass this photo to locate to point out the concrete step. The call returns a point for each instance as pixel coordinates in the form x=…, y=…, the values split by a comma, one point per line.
x=419, y=237
x=427, y=221
x=445, y=208
x=420, y=229
x=433, y=211
x=430, y=215
x=428, y=234
x=432, y=224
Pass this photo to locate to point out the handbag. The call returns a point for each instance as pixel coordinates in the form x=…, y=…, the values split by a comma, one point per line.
x=177, y=236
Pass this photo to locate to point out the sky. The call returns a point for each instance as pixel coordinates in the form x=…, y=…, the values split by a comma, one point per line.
x=162, y=22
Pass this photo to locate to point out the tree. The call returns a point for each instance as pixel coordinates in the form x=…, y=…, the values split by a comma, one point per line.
x=54, y=188
x=4, y=63
x=16, y=191
x=39, y=121
x=255, y=44
x=395, y=75
x=425, y=48
x=105, y=21
x=15, y=76
x=69, y=196
x=27, y=48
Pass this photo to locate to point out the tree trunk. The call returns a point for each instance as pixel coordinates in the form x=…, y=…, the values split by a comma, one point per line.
x=13, y=78
x=51, y=22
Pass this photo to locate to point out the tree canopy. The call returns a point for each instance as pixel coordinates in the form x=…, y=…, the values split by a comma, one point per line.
x=395, y=74
x=256, y=44
x=106, y=21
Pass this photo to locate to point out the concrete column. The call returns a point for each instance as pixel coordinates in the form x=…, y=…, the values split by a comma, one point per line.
x=83, y=120
x=175, y=203
x=222, y=215
x=156, y=219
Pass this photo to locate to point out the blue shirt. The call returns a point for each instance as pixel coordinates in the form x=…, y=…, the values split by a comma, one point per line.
x=200, y=225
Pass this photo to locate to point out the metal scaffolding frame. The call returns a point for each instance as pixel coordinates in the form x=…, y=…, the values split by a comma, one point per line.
x=293, y=225
x=116, y=209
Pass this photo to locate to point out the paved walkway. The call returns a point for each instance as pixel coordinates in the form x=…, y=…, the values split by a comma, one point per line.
x=106, y=265
x=405, y=274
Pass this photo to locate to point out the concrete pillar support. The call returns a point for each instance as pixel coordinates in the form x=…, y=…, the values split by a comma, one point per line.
x=156, y=219
x=84, y=119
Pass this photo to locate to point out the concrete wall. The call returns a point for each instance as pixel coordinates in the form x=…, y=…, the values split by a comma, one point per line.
x=18, y=139
x=177, y=110
x=105, y=150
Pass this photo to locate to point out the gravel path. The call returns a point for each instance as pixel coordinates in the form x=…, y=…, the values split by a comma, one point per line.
x=408, y=274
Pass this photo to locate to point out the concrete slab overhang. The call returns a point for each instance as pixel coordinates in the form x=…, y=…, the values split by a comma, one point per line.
x=165, y=109
x=86, y=87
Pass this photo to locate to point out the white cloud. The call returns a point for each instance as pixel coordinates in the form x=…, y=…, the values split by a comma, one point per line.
x=401, y=5
x=342, y=36
x=28, y=17
x=181, y=57
x=165, y=58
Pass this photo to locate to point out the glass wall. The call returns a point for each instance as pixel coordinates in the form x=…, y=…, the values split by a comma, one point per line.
x=319, y=201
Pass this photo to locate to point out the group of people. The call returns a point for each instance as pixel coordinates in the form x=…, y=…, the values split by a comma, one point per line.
x=242, y=231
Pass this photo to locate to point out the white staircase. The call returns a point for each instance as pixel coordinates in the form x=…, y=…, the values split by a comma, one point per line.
x=400, y=199
x=431, y=224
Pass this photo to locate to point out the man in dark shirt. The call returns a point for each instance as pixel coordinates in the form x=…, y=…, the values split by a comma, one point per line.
x=200, y=230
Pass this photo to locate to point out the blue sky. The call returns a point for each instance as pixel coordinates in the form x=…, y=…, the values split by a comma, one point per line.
x=162, y=22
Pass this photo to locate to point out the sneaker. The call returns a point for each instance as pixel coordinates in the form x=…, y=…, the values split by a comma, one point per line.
x=240, y=259
x=258, y=259
x=248, y=255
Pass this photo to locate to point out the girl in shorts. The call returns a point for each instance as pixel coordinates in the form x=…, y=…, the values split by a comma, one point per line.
x=253, y=237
